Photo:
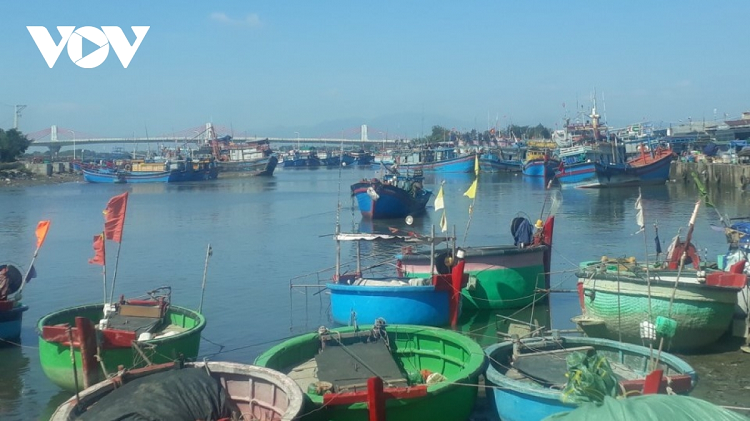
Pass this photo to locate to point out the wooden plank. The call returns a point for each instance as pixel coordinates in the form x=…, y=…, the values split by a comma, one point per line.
x=348, y=398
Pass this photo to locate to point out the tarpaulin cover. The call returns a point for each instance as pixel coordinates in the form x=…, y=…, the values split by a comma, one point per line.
x=187, y=394
x=650, y=408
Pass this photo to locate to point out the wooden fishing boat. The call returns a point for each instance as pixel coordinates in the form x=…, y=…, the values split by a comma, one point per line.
x=528, y=375
x=503, y=276
x=154, y=172
x=502, y=160
x=440, y=160
x=618, y=296
x=130, y=333
x=429, y=373
x=430, y=301
x=392, y=196
x=251, y=158
x=539, y=161
x=232, y=389
x=647, y=168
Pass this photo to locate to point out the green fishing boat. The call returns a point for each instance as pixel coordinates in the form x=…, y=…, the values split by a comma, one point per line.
x=127, y=334
x=429, y=373
x=502, y=276
x=622, y=300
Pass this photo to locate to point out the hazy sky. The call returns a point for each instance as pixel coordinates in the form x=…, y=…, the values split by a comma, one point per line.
x=273, y=68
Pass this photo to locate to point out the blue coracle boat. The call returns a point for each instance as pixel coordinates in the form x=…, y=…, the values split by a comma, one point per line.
x=392, y=197
x=528, y=375
x=11, y=310
x=356, y=299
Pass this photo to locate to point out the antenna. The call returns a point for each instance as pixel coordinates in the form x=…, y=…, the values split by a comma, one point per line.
x=17, y=115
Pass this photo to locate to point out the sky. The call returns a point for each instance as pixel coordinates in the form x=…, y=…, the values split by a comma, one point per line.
x=321, y=68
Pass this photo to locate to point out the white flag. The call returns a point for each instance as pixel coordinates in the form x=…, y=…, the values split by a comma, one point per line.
x=443, y=223
x=639, y=214
x=439, y=203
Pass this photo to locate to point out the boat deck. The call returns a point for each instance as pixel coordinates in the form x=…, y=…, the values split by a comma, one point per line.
x=347, y=368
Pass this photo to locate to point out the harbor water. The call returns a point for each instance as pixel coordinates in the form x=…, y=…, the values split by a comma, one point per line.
x=265, y=232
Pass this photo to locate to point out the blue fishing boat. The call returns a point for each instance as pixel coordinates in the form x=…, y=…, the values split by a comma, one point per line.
x=428, y=302
x=500, y=160
x=443, y=160
x=530, y=381
x=393, y=196
x=539, y=161
x=154, y=172
x=648, y=168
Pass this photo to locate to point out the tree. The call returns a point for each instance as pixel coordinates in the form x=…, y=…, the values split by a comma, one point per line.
x=12, y=145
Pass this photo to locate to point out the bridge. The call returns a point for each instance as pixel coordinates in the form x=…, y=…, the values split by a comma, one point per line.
x=57, y=137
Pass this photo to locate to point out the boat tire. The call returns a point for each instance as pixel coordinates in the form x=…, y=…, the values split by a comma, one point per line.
x=128, y=167
x=441, y=262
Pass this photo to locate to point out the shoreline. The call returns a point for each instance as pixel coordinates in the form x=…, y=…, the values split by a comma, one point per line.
x=8, y=180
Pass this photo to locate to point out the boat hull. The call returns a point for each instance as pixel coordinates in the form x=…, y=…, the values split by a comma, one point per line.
x=55, y=357
x=517, y=400
x=384, y=201
x=260, y=167
x=540, y=168
x=500, y=165
x=11, y=321
x=616, y=306
x=578, y=175
x=506, y=276
x=259, y=393
x=655, y=172
x=172, y=176
x=461, y=164
x=457, y=357
x=417, y=305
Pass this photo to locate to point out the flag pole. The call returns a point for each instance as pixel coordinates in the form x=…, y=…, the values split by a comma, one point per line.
x=41, y=234
x=114, y=274
x=104, y=269
x=209, y=253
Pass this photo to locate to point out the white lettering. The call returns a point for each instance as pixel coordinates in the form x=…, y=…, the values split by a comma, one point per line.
x=50, y=51
x=108, y=35
x=120, y=44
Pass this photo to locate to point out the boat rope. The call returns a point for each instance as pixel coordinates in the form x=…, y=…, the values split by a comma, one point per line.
x=18, y=344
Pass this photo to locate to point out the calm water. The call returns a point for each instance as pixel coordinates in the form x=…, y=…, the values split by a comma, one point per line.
x=264, y=232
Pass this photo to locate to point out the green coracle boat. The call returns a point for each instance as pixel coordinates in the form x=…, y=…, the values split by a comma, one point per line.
x=615, y=301
x=135, y=333
x=402, y=356
x=501, y=277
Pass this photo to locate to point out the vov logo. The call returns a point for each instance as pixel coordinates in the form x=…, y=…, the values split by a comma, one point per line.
x=108, y=35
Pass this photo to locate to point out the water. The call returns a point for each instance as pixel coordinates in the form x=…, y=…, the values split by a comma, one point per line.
x=266, y=231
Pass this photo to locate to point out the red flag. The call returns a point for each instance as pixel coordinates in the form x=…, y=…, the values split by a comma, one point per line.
x=99, y=257
x=114, y=217
x=41, y=232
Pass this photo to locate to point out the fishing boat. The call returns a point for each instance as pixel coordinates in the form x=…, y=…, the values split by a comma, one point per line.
x=577, y=166
x=138, y=171
x=539, y=161
x=11, y=310
x=430, y=301
x=392, y=196
x=530, y=376
x=626, y=300
x=204, y=390
x=13, y=282
x=647, y=168
x=440, y=160
x=427, y=373
x=502, y=160
x=500, y=276
x=130, y=333
x=253, y=158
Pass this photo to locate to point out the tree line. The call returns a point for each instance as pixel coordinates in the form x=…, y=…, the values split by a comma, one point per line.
x=13, y=144
x=441, y=134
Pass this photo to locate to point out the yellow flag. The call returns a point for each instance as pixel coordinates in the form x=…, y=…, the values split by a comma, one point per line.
x=443, y=223
x=472, y=192
x=439, y=202
x=476, y=164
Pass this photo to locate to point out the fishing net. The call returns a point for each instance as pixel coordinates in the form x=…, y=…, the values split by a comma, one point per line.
x=590, y=378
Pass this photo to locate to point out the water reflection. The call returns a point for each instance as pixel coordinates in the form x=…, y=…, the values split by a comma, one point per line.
x=488, y=327
x=13, y=366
